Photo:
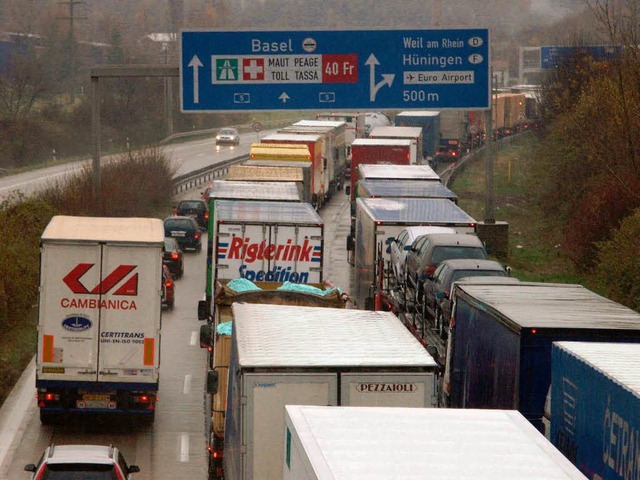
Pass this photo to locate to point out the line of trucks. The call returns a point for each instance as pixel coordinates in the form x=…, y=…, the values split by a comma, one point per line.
x=278, y=334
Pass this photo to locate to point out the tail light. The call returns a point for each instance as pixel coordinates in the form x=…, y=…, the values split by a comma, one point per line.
x=168, y=283
x=197, y=235
x=206, y=216
x=175, y=256
x=428, y=270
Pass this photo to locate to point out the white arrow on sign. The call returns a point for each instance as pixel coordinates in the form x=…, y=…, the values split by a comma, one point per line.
x=387, y=79
x=284, y=97
x=196, y=64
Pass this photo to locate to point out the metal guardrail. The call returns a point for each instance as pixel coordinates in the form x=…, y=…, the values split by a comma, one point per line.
x=205, y=175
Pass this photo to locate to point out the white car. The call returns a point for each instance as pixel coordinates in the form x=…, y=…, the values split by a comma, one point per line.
x=399, y=246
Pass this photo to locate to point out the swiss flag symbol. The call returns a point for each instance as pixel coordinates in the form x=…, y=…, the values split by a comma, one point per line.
x=252, y=69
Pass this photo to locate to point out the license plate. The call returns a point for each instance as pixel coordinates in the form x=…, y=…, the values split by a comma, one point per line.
x=90, y=397
x=178, y=234
x=93, y=404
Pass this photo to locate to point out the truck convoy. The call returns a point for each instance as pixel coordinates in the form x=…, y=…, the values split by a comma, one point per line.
x=327, y=443
x=429, y=122
x=377, y=151
x=263, y=241
x=99, y=316
x=378, y=221
x=274, y=171
x=499, y=346
x=290, y=355
x=594, y=403
x=216, y=337
x=413, y=134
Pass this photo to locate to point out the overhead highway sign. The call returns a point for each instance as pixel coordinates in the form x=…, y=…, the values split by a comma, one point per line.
x=330, y=70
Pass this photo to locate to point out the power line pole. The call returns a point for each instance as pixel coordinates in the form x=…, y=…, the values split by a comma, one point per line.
x=71, y=36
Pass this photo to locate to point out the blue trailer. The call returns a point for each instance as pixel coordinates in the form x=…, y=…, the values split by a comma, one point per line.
x=595, y=407
x=429, y=121
x=499, y=351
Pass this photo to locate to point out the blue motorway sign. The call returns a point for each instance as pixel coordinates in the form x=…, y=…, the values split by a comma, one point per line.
x=331, y=70
x=550, y=57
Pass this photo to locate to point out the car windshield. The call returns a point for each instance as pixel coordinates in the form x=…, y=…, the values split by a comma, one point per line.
x=178, y=224
x=477, y=273
x=440, y=254
x=227, y=132
x=169, y=244
x=80, y=471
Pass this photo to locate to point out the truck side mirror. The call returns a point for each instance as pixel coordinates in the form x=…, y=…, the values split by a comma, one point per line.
x=347, y=190
x=349, y=243
x=206, y=334
x=212, y=382
x=203, y=310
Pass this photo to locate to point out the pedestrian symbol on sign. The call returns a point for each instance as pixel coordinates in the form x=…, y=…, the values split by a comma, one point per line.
x=227, y=69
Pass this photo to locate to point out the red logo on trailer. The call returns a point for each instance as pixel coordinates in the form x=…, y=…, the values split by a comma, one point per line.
x=120, y=273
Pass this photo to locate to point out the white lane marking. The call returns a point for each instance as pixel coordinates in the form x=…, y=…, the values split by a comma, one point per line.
x=186, y=385
x=194, y=338
x=184, y=447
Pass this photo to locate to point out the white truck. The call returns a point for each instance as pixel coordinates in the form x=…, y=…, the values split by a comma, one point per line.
x=263, y=242
x=378, y=222
x=99, y=316
x=330, y=443
x=290, y=355
x=216, y=337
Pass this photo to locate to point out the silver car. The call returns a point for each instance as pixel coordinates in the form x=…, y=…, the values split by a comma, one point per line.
x=228, y=136
x=401, y=244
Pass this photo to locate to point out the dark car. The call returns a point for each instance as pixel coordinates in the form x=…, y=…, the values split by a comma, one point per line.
x=168, y=289
x=64, y=462
x=228, y=136
x=185, y=230
x=428, y=251
x=436, y=290
x=197, y=209
x=173, y=257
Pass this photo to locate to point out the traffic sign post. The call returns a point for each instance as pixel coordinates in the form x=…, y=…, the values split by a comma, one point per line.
x=335, y=70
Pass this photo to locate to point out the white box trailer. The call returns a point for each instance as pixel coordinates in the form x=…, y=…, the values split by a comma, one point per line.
x=413, y=134
x=266, y=241
x=99, y=316
x=283, y=354
x=379, y=220
x=331, y=443
x=396, y=172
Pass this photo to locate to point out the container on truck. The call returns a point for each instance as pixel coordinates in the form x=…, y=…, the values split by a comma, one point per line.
x=378, y=222
x=330, y=443
x=216, y=337
x=280, y=151
x=429, y=122
x=316, y=145
x=500, y=336
x=275, y=171
x=595, y=405
x=232, y=190
x=413, y=134
x=99, y=316
x=262, y=241
x=287, y=355
x=377, y=151
x=335, y=147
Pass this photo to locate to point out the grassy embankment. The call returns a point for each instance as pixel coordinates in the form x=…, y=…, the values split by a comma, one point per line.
x=535, y=237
